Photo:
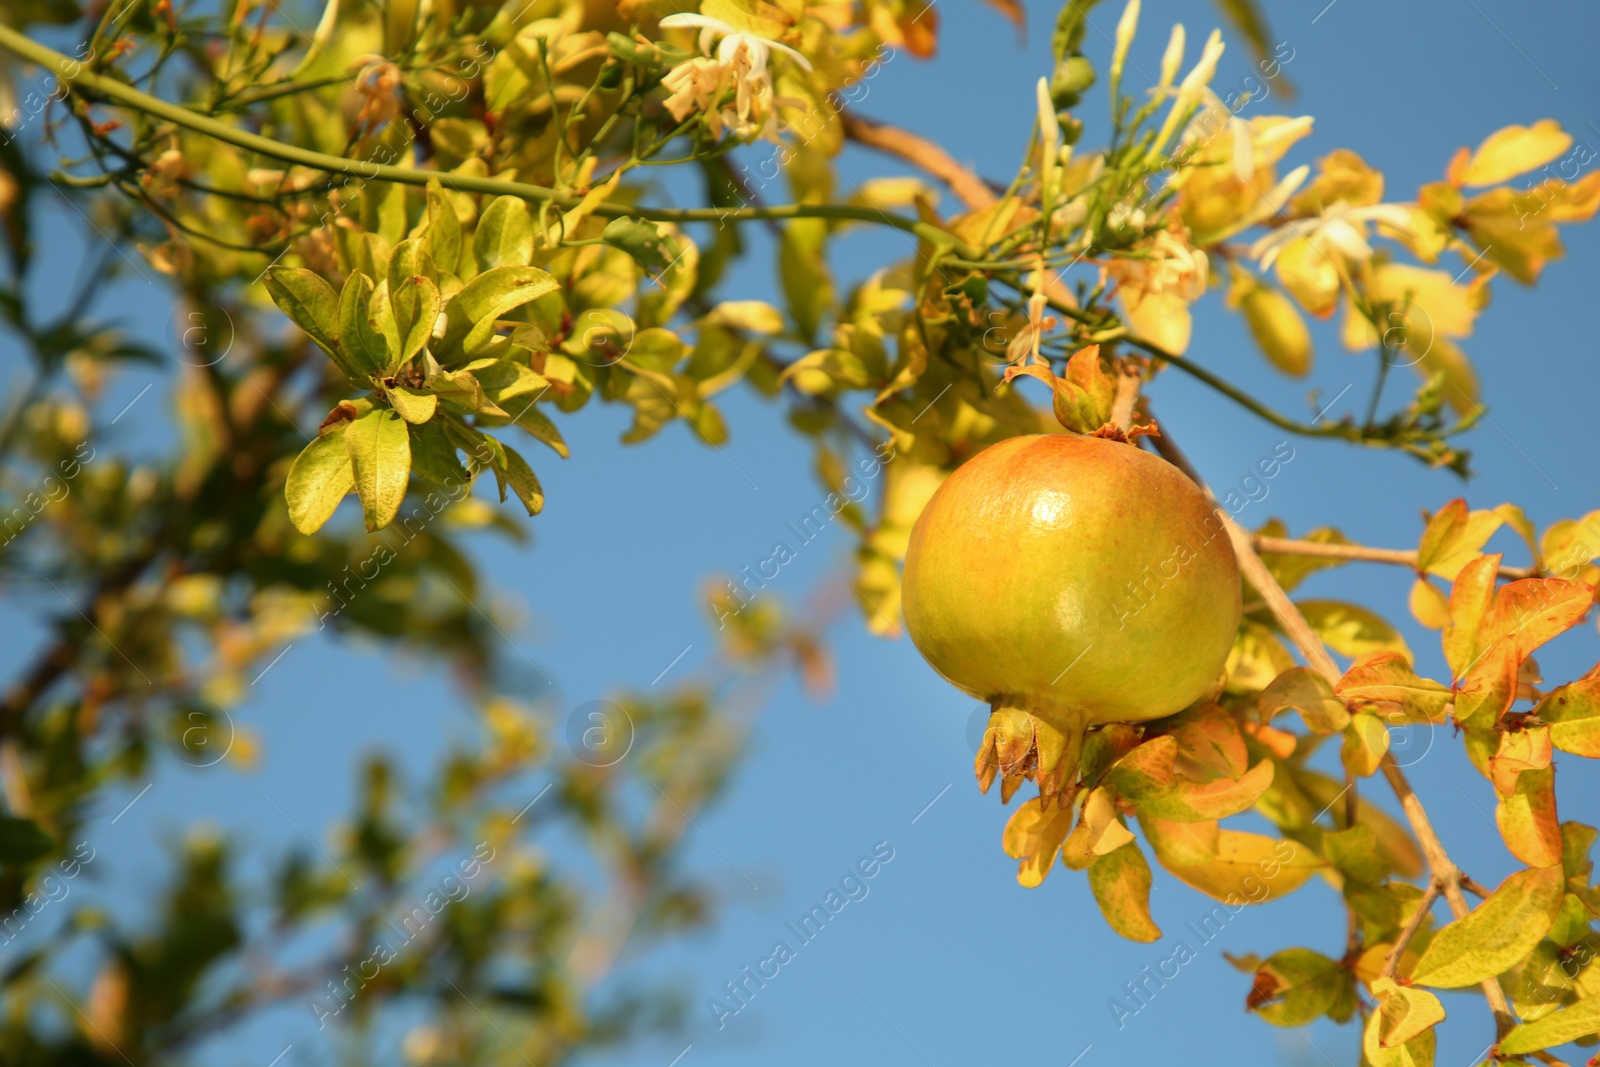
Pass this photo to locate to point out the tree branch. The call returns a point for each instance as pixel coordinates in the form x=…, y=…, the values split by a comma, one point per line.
x=77, y=75
x=1404, y=557
x=920, y=152
x=1445, y=874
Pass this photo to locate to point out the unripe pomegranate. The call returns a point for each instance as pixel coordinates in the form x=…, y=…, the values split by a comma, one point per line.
x=1069, y=580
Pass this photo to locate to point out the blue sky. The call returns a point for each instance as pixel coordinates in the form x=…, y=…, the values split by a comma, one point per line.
x=945, y=960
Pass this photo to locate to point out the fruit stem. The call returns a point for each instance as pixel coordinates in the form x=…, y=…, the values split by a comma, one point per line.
x=1130, y=376
x=1445, y=874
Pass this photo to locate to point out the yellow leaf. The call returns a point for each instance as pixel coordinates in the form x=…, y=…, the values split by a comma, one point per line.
x=1418, y=1052
x=1460, y=379
x=1406, y=1012
x=1352, y=630
x=1162, y=318
x=1430, y=606
x=1248, y=868
x=1515, y=150
x=1310, y=276
x=1527, y=819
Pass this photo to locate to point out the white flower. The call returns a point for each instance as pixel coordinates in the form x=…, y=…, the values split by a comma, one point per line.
x=741, y=60
x=733, y=42
x=1341, y=228
x=1167, y=264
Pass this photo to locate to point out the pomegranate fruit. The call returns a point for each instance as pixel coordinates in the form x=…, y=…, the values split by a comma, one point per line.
x=1069, y=580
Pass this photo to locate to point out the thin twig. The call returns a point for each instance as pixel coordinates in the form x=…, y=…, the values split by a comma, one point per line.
x=1405, y=557
x=1429, y=895
x=1445, y=873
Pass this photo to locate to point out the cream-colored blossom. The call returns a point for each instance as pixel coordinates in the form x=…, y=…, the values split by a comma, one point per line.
x=1340, y=230
x=1165, y=264
x=742, y=62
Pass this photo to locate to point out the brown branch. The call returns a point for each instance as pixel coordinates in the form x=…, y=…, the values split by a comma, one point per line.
x=970, y=189
x=1285, y=546
x=1445, y=874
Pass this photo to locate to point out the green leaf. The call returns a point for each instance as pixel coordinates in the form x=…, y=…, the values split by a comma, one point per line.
x=1295, y=986
x=312, y=305
x=433, y=456
x=640, y=239
x=537, y=425
x=523, y=482
x=365, y=346
x=411, y=260
x=383, y=209
x=319, y=478
x=380, y=456
x=803, y=270
x=1121, y=884
x=1573, y=712
x=504, y=237
x=1351, y=629
x=1558, y=1028
x=416, y=304
x=471, y=316
x=440, y=228
x=23, y=841
x=1496, y=935
x=413, y=405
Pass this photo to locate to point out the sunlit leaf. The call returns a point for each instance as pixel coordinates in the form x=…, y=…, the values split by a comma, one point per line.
x=319, y=478
x=1121, y=884
x=1495, y=935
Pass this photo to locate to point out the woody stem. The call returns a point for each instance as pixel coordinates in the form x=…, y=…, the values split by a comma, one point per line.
x=1445, y=874
x=1285, y=546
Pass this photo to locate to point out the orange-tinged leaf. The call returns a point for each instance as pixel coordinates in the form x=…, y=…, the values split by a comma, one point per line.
x=1514, y=150
x=1120, y=881
x=1573, y=712
x=1528, y=822
x=1012, y=10
x=1309, y=693
x=1454, y=537
x=1519, y=750
x=1535, y=610
x=1387, y=678
x=1249, y=868
x=1187, y=801
x=1471, y=597
x=1406, y=1012
x=1147, y=770
x=1496, y=935
x=1490, y=686
x=1210, y=743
